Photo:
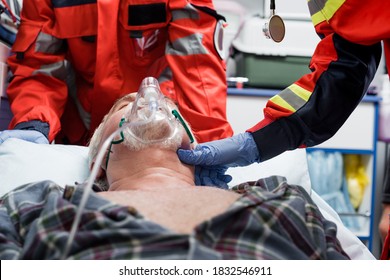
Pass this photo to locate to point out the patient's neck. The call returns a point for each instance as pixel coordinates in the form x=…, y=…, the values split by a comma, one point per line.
x=149, y=169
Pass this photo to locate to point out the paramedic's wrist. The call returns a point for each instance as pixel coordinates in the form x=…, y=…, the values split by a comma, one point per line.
x=36, y=125
x=26, y=135
x=239, y=150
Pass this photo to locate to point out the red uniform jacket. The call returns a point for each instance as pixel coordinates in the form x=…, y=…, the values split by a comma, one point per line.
x=73, y=58
x=344, y=62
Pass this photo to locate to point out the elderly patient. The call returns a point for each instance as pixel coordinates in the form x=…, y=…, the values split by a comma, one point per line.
x=153, y=210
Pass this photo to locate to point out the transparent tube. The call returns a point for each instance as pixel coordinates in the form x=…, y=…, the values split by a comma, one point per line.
x=88, y=188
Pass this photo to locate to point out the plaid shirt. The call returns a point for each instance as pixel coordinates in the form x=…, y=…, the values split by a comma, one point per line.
x=271, y=220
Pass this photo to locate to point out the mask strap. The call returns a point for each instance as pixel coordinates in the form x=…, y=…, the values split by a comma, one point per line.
x=188, y=131
x=116, y=141
x=121, y=133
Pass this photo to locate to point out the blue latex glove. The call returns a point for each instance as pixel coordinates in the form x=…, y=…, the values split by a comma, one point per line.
x=212, y=159
x=212, y=176
x=27, y=135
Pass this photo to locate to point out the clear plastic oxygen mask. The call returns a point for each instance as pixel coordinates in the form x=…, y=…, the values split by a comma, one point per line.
x=151, y=115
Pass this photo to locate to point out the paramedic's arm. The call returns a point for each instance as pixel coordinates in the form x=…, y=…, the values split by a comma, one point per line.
x=198, y=70
x=37, y=91
x=26, y=134
x=312, y=109
x=344, y=63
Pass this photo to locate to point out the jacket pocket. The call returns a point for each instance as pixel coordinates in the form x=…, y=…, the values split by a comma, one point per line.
x=76, y=21
x=27, y=35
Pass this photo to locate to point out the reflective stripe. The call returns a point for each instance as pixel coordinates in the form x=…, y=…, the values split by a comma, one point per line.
x=72, y=90
x=166, y=75
x=279, y=101
x=315, y=6
x=57, y=70
x=292, y=98
x=70, y=3
x=63, y=70
x=48, y=44
x=323, y=9
x=187, y=46
x=317, y=18
x=301, y=92
x=187, y=12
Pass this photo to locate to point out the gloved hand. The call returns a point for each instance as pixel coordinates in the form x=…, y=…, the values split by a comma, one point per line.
x=27, y=135
x=212, y=159
x=212, y=176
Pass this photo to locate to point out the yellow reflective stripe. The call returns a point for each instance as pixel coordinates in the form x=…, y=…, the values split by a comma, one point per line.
x=317, y=18
x=278, y=100
x=327, y=12
x=292, y=98
x=331, y=7
x=315, y=7
x=301, y=92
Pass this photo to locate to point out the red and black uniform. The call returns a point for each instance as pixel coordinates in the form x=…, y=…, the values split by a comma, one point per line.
x=73, y=58
x=343, y=65
x=312, y=109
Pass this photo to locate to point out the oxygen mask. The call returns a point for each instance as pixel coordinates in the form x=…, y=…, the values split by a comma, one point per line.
x=150, y=118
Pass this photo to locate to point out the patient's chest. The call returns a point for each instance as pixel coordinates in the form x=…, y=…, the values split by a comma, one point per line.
x=177, y=209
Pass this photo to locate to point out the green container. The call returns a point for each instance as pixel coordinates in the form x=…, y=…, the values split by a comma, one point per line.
x=271, y=71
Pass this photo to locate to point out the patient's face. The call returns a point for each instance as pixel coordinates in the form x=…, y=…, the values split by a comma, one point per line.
x=147, y=133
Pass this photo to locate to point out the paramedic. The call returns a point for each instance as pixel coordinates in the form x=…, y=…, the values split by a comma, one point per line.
x=312, y=109
x=153, y=210
x=72, y=59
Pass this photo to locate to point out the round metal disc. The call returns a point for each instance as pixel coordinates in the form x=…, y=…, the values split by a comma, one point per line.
x=276, y=28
